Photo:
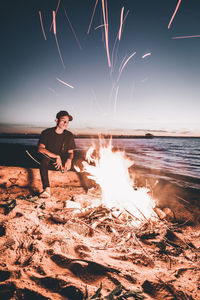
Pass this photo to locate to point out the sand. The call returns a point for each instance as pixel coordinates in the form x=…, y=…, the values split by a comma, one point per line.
x=48, y=251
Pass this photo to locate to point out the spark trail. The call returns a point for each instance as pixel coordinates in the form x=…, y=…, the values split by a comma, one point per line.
x=121, y=22
x=54, y=30
x=176, y=9
x=105, y=17
x=65, y=83
x=92, y=17
x=73, y=31
x=55, y=14
x=116, y=95
x=185, y=37
x=102, y=25
x=40, y=14
x=147, y=54
x=113, y=62
x=125, y=63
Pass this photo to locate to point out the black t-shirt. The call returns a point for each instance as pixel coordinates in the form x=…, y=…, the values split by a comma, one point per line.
x=57, y=143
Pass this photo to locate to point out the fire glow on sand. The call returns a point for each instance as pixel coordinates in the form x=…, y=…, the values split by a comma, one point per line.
x=110, y=169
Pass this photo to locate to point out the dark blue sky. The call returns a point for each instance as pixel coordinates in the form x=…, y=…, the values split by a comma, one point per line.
x=159, y=92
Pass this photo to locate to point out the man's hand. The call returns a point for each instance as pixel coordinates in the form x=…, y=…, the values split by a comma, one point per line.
x=58, y=163
x=68, y=164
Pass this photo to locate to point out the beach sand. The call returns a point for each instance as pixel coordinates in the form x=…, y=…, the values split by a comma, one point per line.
x=51, y=251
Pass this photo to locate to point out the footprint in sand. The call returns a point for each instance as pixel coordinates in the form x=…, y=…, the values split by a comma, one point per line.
x=82, y=251
x=87, y=271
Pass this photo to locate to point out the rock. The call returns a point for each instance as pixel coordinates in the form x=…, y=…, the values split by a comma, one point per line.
x=72, y=204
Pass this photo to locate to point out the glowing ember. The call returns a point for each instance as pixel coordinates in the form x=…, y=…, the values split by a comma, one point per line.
x=121, y=22
x=177, y=6
x=109, y=169
x=42, y=25
x=102, y=25
x=92, y=17
x=123, y=66
x=54, y=30
x=65, y=83
x=73, y=31
x=116, y=95
x=116, y=42
x=147, y=54
x=186, y=37
x=55, y=13
x=105, y=17
x=122, y=63
x=54, y=22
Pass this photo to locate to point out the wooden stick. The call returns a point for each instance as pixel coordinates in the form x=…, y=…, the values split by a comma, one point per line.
x=182, y=199
x=131, y=215
x=89, y=226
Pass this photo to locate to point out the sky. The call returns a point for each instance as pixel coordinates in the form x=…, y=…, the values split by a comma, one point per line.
x=152, y=84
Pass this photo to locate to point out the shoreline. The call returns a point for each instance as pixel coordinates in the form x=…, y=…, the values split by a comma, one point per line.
x=96, y=136
x=14, y=155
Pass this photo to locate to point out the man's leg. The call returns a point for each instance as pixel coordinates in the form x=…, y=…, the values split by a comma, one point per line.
x=44, y=167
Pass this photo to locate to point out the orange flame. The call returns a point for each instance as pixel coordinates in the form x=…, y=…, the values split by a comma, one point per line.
x=110, y=169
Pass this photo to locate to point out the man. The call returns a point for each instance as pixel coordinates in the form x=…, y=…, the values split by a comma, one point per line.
x=57, y=146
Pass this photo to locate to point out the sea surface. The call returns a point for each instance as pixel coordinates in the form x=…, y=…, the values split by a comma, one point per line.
x=175, y=158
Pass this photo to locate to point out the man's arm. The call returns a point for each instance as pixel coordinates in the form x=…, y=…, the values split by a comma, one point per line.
x=42, y=149
x=68, y=162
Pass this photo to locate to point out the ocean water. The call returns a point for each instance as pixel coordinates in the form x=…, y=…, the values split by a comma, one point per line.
x=175, y=157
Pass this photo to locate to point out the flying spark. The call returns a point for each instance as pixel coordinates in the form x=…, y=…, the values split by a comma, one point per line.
x=92, y=17
x=147, y=54
x=55, y=13
x=105, y=17
x=54, y=30
x=127, y=60
x=73, y=31
x=54, y=22
x=186, y=37
x=65, y=83
x=59, y=51
x=42, y=25
x=102, y=25
x=125, y=63
x=114, y=60
x=176, y=9
x=121, y=22
x=122, y=63
x=116, y=95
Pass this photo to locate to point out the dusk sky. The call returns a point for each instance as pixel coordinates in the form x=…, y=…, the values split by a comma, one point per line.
x=158, y=93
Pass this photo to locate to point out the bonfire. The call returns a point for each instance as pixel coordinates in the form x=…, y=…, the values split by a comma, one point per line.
x=109, y=168
x=111, y=242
